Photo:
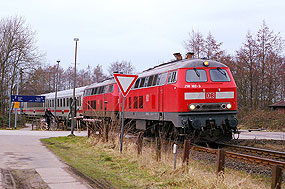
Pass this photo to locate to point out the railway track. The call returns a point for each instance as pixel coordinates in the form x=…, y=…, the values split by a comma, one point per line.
x=263, y=152
x=248, y=158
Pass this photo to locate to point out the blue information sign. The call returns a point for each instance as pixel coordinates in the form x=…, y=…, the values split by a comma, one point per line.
x=23, y=98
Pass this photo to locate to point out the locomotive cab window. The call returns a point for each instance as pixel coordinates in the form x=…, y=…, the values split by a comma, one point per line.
x=219, y=75
x=196, y=75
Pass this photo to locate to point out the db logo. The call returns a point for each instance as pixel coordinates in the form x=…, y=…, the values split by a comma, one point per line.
x=210, y=95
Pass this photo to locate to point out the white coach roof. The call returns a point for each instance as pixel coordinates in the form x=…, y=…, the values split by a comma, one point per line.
x=65, y=93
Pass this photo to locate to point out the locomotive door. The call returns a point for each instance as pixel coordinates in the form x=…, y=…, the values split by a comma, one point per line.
x=105, y=103
x=160, y=101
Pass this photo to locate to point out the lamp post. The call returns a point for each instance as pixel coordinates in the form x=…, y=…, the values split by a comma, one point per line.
x=56, y=83
x=74, y=86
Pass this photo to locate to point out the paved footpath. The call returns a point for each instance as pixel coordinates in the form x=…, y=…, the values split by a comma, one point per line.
x=23, y=150
x=261, y=135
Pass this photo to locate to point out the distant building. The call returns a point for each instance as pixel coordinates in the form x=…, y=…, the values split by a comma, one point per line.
x=278, y=106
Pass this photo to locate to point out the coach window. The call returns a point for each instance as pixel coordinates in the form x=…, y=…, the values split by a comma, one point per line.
x=196, y=75
x=219, y=75
x=137, y=83
x=111, y=88
x=142, y=82
x=140, y=102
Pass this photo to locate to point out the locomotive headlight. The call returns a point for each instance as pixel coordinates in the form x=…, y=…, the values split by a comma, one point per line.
x=206, y=63
x=192, y=107
x=229, y=106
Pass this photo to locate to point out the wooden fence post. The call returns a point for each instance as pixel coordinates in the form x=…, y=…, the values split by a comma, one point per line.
x=88, y=129
x=140, y=142
x=158, y=148
x=220, y=165
x=276, y=177
x=186, y=151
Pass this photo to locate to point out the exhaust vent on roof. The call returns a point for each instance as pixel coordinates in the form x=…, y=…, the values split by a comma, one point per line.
x=178, y=56
x=189, y=55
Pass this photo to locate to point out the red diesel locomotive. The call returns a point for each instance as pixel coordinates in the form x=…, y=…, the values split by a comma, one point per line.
x=194, y=98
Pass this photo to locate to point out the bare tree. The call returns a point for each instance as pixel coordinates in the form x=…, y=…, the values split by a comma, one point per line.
x=212, y=49
x=259, y=69
x=122, y=67
x=195, y=44
x=98, y=74
x=17, y=52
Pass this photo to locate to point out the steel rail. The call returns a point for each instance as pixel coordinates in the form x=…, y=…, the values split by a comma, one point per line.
x=271, y=153
x=243, y=157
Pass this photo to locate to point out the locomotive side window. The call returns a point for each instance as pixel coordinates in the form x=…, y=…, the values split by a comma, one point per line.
x=135, y=102
x=137, y=83
x=140, y=102
x=92, y=104
x=196, y=75
x=111, y=88
x=172, y=77
x=218, y=75
x=142, y=82
x=146, y=81
x=154, y=80
x=105, y=89
x=150, y=80
x=161, y=78
x=130, y=102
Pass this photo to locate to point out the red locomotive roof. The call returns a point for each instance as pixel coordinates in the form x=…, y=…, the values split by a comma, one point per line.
x=106, y=82
x=186, y=63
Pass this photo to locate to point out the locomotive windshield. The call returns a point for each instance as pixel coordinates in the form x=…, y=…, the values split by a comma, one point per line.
x=196, y=75
x=218, y=75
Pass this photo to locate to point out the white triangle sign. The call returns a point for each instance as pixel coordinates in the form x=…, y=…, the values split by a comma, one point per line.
x=125, y=82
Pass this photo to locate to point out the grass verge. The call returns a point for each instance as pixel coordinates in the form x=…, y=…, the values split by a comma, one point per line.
x=103, y=162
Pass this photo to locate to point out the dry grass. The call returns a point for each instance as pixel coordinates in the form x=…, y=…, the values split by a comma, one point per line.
x=194, y=175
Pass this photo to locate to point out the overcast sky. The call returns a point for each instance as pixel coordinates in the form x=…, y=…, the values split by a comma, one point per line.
x=145, y=32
